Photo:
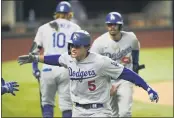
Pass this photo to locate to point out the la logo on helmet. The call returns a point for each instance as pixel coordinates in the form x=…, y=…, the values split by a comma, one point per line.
x=61, y=8
x=75, y=36
x=112, y=17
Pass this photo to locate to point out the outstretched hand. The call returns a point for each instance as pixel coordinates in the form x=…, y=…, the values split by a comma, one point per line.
x=24, y=59
x=11, y=87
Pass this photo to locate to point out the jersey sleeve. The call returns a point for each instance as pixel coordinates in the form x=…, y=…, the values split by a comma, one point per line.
x=38, y=38
x=111, y=68
x=135, y=43
x=95, y=47
x=63, y=60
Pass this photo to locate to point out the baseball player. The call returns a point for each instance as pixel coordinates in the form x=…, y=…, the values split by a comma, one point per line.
x=8, y=87
x=122, y=47
x=90, y=76
x=52, y=38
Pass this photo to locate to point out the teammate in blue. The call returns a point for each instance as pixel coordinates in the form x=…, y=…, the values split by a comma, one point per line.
x=8, y=87
x=90, y=76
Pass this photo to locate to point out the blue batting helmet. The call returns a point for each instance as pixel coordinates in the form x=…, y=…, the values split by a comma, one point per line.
x=114, y=17
x=80, y=38
x=64, y=7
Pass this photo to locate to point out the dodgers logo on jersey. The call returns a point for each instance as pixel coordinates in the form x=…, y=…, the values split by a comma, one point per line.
x=79, y=75
x=119, y=54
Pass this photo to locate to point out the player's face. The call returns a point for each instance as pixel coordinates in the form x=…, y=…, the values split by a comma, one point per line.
x=113, y=29
x=78, y=52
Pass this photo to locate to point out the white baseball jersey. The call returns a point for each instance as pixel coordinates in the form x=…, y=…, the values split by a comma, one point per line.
x=119, y=51
x=53, y=78
x=90, y=78
x=58, y=43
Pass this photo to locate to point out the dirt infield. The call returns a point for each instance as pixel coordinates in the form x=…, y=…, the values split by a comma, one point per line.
x=164, y=89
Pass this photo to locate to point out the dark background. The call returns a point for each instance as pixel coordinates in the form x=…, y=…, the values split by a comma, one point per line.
x=93, y=7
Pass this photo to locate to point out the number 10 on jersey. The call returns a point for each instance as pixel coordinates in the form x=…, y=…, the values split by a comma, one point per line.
x=59, y=40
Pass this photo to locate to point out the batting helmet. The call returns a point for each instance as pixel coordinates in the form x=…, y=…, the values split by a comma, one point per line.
x=64, y=7
x=80, y=38
x=114, y=17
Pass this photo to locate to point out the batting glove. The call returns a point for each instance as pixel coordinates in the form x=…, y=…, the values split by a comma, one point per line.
x=36, y=73
x=153, y=96
x=2, y=82
x=24, y=59
x=11, y=87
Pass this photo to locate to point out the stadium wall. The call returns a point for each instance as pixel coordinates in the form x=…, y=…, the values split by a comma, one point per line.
x=13, y=47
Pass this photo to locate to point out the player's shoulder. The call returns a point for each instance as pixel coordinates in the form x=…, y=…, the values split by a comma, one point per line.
x=45, y=25
x=105, y=61
x=102, y=37
x=100, y=59
x=96, y=59
x=131, y=35
x=74, y=24
x=68, y=22
x=65, y=55
x=41, y=27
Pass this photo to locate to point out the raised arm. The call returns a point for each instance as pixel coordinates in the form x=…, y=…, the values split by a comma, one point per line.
x=49, y=59
x=117, y=71
x=137, y=80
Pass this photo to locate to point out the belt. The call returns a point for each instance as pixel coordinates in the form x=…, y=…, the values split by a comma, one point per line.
x=89, y=106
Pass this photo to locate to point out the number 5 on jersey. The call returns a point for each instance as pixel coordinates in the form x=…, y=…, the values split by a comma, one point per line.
x=59, y=40
x=91, y=85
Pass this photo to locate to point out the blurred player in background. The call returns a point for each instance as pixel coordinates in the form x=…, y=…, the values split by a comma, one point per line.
x=90, y=76
x=122, y=47
x=8, y=87
x=52, y=38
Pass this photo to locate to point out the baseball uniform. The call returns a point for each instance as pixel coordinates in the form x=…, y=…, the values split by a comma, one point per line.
x=120, y=51
x=55, y=78
x=90, y=76
x=90, y=83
